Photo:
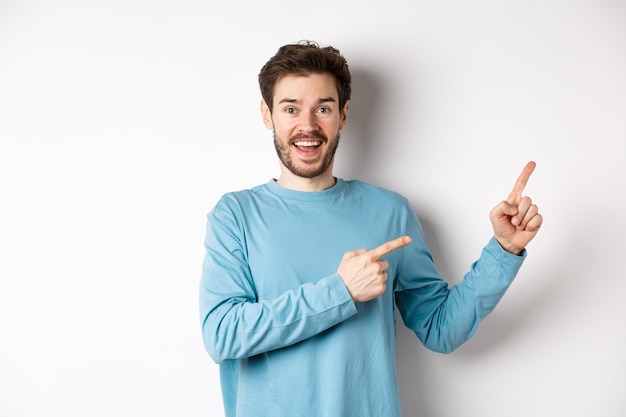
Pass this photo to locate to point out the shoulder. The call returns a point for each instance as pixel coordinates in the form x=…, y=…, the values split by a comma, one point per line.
x=375, y=192
x=240, y=200
x=243, y=196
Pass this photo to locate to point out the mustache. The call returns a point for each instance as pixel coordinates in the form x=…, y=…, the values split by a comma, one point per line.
x=312, y=135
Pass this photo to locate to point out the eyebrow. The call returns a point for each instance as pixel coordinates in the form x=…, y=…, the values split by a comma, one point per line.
x=297, y=101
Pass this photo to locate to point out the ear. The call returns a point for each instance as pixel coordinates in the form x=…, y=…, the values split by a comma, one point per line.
x=344, y=115
x=267, y=115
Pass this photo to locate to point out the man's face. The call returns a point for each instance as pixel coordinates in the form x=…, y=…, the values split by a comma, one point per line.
x=306, y=120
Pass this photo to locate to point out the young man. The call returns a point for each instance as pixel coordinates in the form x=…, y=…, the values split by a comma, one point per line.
x=302, y=321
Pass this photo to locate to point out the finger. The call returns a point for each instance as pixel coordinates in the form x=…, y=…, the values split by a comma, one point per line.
x=384, y=265
x=530, y=214
x=521, y=182
x=390, y=246
x=535, y=223
x=522, y=211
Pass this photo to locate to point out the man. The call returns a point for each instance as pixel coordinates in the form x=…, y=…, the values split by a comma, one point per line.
x=302, y=321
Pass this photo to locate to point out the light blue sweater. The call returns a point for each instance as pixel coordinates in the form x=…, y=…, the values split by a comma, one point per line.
x=282, y=325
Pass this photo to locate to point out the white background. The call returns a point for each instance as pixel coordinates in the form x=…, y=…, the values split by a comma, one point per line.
x=123, y=122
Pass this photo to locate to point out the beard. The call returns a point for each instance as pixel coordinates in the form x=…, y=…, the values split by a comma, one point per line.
x=312, y=169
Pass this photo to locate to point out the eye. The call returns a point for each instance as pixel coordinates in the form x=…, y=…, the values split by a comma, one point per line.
x=323, y=110
x=290, y=110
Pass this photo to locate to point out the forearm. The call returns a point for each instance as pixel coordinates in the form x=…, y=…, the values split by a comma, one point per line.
x=444, y=319
x=491, y=276
x=238, y=327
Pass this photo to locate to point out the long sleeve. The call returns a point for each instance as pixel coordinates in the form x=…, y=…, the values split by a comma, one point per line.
x=444, y=318
x=236, y=323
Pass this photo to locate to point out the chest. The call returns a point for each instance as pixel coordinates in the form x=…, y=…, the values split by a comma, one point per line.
x=289, y=246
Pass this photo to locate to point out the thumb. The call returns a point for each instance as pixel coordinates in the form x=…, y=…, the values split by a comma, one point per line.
x=354, y=253
x=504, y=210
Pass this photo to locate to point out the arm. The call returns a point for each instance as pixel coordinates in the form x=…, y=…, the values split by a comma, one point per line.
x=235, y=324
x=443, y=318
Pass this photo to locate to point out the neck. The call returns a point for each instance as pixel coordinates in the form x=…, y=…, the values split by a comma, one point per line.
x=319, y=183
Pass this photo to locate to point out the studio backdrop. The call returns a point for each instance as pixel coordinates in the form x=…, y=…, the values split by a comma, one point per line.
x=123, y=122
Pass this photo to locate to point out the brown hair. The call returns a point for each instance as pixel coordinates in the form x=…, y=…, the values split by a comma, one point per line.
x=305, y=58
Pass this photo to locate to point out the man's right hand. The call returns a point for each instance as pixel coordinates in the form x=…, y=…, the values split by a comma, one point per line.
x=364, y=273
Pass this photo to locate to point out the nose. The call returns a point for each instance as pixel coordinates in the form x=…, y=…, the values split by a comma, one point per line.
x=308, y=122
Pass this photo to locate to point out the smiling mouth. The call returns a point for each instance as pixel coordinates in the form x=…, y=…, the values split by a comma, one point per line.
x=307, y=144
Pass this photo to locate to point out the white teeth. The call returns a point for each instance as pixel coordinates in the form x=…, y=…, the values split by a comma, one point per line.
x=307, y=143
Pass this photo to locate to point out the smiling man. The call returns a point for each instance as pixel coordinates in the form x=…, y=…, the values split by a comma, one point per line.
x=303, y=274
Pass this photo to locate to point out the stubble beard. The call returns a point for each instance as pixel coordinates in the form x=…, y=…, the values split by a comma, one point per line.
x=309, y=170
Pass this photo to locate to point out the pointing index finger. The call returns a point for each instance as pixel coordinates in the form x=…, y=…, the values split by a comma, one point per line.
x=520, y=184
x=388, y=247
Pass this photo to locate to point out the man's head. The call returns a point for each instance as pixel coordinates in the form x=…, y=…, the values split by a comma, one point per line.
x=305, y=58
x=306, y=96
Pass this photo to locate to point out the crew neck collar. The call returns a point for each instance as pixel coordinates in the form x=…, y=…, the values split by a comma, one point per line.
x=306, y=195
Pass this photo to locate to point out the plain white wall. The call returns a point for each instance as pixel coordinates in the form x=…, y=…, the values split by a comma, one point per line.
x=123, y=122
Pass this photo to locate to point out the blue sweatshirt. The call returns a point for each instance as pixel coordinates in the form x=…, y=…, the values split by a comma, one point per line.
x=281, y=323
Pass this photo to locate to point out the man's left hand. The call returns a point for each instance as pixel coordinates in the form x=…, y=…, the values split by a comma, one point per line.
x=516, y=220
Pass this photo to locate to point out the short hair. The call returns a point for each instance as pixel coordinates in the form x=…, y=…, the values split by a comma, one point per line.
x=305, y=58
